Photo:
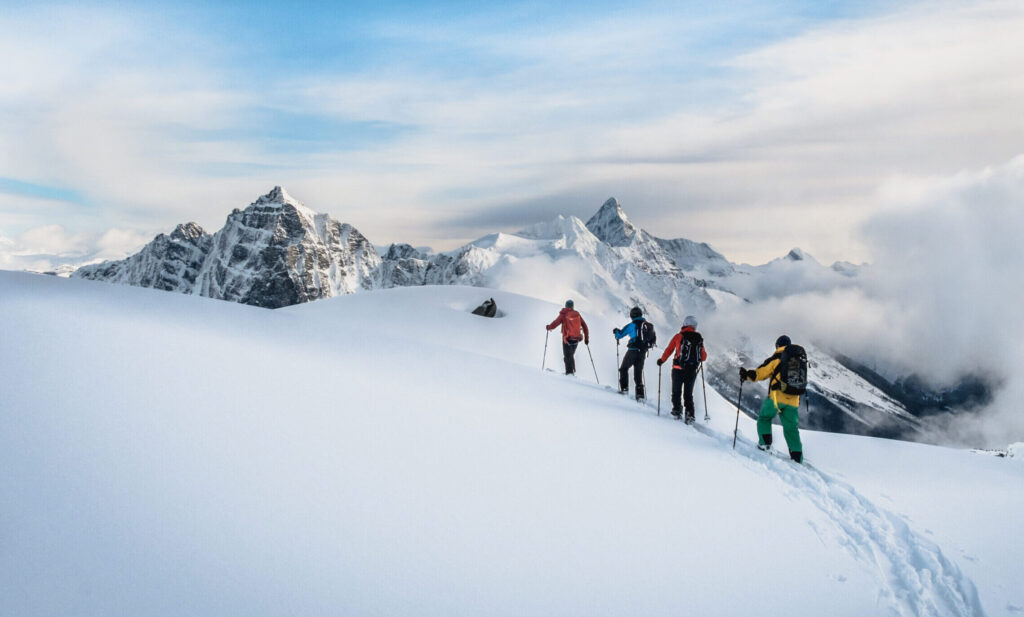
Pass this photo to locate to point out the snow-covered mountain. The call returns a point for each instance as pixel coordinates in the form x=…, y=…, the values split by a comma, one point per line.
x=656, y=255
x=274, y=253
x=278, y=253
x=164, y=454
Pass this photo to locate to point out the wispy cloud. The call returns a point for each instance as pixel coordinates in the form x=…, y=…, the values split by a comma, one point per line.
x=701, y=124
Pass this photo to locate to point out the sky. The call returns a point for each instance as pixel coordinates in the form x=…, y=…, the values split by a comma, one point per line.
x=755, y=127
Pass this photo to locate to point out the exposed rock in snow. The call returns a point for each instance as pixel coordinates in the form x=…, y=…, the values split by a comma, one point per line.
x=170, y=262
x=796, y=254
x=611, y=225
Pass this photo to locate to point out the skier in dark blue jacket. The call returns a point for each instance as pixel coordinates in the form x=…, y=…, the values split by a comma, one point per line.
x=636, y=352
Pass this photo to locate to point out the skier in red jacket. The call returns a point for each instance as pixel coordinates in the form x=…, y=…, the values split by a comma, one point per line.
x=574, y=330
x=687, y=349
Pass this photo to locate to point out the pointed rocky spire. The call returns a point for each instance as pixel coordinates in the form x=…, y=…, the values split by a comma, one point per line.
x=796, y=254
x=188, y=232
x=278, y=195
x=611, y=225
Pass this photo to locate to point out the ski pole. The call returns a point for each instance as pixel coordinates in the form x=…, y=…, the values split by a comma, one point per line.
x=617, y=367
x=592, y=364
x=705, y=390
x=658, y=390
x=736, y=430
x=545, y=360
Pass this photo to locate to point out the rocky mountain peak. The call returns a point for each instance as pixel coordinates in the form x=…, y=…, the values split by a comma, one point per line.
x=188, y=232
x=277, y=195
x=611, y=225
x=796, y=254
x=403, y=251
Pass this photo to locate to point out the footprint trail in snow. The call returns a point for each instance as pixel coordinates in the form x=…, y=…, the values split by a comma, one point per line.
x=918, y=580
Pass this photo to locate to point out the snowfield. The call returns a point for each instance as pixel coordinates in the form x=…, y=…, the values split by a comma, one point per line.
x=388, y=453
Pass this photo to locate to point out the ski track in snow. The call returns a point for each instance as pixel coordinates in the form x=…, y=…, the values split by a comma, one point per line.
x=918, y=579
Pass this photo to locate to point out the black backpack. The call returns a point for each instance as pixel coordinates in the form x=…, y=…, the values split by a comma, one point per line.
x=689, y=349
x=791, y=373
x=646, y=336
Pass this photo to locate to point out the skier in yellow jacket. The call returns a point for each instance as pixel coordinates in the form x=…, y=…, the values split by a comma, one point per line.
x=787, y=406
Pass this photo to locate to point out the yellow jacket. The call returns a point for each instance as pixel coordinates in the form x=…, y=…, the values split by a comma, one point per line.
x=767, y=370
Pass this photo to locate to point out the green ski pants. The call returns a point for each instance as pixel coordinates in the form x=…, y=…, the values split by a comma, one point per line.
x=790, y=417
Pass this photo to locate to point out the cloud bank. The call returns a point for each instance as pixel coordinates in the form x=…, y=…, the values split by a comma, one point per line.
x=942, y=301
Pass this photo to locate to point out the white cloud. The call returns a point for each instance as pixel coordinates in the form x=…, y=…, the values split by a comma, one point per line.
x=51, y=247
x=942, y=300
x=695, y=143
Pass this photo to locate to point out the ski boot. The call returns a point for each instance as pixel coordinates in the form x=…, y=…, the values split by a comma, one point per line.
x=765, y=443
x=677, y=414
x=690, y=419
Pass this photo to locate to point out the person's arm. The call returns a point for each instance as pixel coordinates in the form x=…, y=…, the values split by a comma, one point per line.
x=703, y=352
x=624, y=331
x=554, y=324
x=671, y=349
x=586, y=331
x=766, y=370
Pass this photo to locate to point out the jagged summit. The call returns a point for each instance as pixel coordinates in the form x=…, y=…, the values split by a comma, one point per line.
x=611, y=225
x=274, y=253
x=277, y=195
x=796, y=254
x=188, y=231
x=278, y=198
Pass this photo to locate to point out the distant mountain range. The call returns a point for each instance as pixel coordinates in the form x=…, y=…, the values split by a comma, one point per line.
x=277, y=252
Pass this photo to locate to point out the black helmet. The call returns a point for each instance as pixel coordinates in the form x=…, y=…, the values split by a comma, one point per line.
x=568, y=304
x=635, y=312
x=782, y=341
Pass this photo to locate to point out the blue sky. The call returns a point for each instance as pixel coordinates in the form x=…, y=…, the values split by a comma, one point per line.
x=434, y=123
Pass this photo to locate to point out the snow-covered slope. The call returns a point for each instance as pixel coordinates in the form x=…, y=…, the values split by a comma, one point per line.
x=166, y=454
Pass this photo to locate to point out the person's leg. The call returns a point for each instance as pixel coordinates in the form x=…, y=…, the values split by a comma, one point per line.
x=677, y=392
x=627, y=362
x=567, y=357
x=790, y=417
x=638, y=375
x=764, y=421
x=689, y=378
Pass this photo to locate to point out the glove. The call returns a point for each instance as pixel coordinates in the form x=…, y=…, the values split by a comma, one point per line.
x=660, y=362
x=743, y=374
x=615, y=331
x=586, y=341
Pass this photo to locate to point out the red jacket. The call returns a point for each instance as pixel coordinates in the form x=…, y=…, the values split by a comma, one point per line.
x=560, y=320
x=673, y=346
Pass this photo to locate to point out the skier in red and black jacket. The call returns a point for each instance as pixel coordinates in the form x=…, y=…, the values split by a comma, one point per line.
x=687, y=351
x=574, y=330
